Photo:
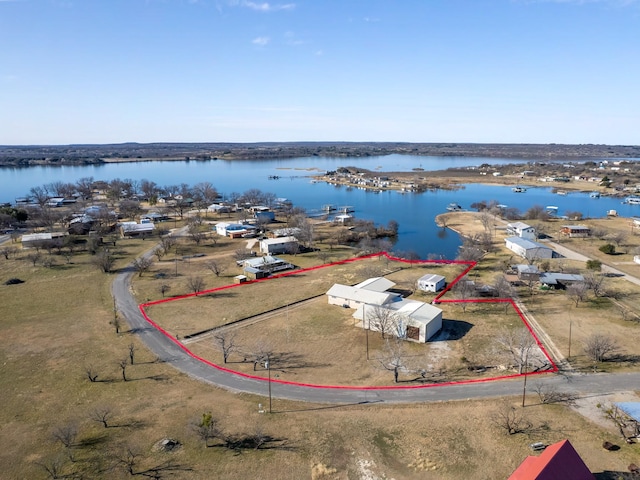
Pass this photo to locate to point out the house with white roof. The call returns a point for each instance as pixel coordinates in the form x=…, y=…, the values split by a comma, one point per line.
x=522, y=230
x=412, y=320
x=528, y=249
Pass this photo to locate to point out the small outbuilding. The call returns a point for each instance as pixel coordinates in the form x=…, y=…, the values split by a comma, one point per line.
x=528, y=272
x=431, y=283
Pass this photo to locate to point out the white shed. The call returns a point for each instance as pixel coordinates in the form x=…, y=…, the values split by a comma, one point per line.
x=431, y=283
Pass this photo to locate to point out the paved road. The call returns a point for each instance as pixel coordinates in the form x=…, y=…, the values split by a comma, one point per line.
x=170, y=351
x=565, y=252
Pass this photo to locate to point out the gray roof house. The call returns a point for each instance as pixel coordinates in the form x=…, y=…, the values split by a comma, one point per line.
x=528, y=249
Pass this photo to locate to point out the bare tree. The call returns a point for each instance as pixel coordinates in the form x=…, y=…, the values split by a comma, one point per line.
x=54, y=467
x=596, y=282
x=379, y=318
x=577, y=292
x=463, y=290
x=510, y=419
x=598, y=347
x=518, y=342
x=195, y=230
x=487, y=221
x=34, y=257
x=216, y=267
x=393, y=358
x=101, y=414
x=261, y=352
x=91, y=374
x=617, y=237
x=195, y=284
x=142, y=264
x=132, y=352
x=116, y=322
x=226, y=343
x=163, y=289
x=550, y=394
x=104, y=260
x=123, y=368
x=242, y=254
x=66, y=434
x=8, y=252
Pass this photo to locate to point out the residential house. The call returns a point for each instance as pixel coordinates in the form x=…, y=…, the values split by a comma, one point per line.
x=43, y=240
x=279, y=245
x=411, y=320
x=133, y=229
x=528, y=249
x=431, y=282
x=264, y=216
x=559, y=280
x=522, y=230
x=233, y=230
x=559, y=461
x=528, y=273
x=262, y=267
x=575, y=231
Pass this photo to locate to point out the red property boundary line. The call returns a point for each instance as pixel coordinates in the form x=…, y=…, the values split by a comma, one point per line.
x=438, y=299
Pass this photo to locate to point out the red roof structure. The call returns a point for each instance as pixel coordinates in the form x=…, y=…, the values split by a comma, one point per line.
x=559, y=461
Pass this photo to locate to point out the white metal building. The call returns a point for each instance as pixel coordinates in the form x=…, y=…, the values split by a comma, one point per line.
x=431, y=282
x=528, y=249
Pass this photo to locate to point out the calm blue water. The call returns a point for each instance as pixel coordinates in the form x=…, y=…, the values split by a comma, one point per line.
x=414, y=212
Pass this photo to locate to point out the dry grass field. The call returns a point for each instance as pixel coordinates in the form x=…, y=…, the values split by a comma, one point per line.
x=57, y=324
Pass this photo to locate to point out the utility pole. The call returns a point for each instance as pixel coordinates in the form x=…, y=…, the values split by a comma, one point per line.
x=366, y=330
x=569, y=353
x=524, y=388
x=268, y=365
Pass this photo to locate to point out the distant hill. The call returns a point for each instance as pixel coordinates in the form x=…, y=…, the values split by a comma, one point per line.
x=131, y=152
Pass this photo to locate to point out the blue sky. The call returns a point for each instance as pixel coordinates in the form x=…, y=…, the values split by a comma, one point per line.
x=506, y=71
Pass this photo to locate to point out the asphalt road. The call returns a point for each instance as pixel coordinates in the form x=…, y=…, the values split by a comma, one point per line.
x=170, y=351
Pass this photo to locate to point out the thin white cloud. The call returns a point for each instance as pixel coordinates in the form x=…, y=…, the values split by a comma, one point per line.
x=619, y=3
x=262, y=41
x=262, y=6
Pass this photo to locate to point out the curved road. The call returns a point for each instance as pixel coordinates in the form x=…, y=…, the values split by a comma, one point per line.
x=169, y=351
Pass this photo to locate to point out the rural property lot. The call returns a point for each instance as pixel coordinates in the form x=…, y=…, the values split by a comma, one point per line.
x=311, y=342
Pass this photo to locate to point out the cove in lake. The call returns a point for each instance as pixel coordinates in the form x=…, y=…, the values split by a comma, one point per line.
x=415, y=213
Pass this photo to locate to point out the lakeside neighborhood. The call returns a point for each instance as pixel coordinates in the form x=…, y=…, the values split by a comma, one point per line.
x=265, y=245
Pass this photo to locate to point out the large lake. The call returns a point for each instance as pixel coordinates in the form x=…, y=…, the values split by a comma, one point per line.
x=415, y=213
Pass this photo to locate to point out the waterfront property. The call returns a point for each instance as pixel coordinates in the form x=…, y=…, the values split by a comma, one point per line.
x=522, y=230
x=528, y=249
x=575, y=231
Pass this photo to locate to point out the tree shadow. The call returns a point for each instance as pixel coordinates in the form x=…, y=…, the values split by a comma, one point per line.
x=92, y=441
x=623, y=358
x=612, y=475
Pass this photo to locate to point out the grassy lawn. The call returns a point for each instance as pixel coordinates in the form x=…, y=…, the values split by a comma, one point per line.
x=58, y=322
